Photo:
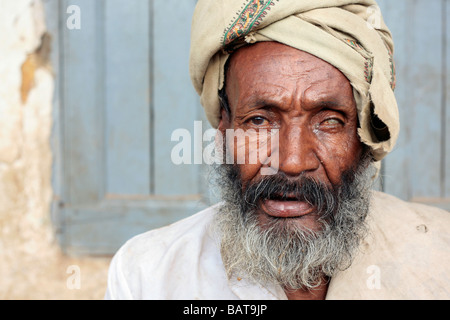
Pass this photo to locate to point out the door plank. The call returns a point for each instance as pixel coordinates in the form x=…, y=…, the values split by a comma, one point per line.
x=83, y=124
x=127, y=97
x=446, y=98
x=176, y=104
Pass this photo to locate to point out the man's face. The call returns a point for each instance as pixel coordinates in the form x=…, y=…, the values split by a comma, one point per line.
x=310, y=102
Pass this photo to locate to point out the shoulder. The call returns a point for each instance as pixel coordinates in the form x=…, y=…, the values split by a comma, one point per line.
x=405, y=255
x=390, y=211
x=410, y=226
x=159, y=257
x=409, y=245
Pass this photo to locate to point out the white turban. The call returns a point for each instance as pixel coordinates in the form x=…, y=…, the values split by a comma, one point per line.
x=348, y=34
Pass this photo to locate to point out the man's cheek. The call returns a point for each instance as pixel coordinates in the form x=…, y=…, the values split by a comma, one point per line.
x=249, y=173
x=269, y=152
x=257, y=152
x=336, y=161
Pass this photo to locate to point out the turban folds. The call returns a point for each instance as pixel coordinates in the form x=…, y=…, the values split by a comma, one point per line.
x=348, y=34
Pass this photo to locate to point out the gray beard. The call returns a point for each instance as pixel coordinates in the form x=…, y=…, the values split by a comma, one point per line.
x=282, y=253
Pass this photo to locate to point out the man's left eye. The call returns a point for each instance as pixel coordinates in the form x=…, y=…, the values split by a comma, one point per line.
x=332, y=122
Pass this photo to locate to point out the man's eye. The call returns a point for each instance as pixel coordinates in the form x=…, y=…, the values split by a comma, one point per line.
x=258, y=121
x=332, y=122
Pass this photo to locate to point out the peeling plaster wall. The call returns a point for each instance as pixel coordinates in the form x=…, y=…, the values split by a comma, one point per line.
x=31, y=263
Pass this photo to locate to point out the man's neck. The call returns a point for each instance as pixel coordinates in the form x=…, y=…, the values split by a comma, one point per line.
x=318, y=293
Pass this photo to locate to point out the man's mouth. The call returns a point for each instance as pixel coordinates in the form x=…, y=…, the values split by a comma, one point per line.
x=286, y=206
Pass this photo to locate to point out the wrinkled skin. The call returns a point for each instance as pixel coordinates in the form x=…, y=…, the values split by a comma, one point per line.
x=273, y=86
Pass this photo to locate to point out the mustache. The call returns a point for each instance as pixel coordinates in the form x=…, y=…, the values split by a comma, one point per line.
x=282, y=188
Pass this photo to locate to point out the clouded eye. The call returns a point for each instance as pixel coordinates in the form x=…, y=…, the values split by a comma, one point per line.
x=330, y=125
x=332, y=122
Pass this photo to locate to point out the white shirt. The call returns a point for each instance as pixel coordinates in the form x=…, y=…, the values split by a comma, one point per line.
x=406, y=256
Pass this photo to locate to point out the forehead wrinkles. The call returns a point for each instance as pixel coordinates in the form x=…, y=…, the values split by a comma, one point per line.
x=280, y=68
x=280, y=65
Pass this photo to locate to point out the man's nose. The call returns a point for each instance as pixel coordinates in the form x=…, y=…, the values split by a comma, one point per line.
x=297, y=151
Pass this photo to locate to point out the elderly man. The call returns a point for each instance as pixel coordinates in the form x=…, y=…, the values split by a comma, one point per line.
x=319, y=78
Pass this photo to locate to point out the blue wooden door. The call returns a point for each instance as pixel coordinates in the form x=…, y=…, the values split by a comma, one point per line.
x=123, y=87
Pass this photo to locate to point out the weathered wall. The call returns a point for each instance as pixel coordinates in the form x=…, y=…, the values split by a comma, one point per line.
x=31, y=263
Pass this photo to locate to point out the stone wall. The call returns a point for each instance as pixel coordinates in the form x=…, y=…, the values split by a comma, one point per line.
x=31, y=263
